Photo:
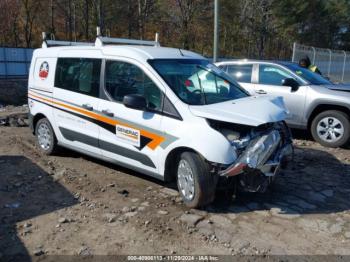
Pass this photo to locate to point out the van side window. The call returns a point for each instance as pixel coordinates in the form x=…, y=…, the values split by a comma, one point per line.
x=81, y=75
x=126, y=79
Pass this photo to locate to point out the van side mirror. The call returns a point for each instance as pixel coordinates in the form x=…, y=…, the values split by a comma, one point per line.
x=135, y=101
x=292, y=83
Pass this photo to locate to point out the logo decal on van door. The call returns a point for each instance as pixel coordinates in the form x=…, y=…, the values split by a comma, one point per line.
x=44, y=70
x=128, y=135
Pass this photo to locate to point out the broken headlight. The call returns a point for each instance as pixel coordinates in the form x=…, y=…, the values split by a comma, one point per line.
x=260, y=149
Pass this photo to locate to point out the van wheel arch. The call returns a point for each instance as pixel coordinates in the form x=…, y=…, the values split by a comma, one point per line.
x=171, y=162
x=36, y=119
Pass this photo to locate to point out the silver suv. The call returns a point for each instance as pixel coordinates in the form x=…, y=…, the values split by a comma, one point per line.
x=314, y=102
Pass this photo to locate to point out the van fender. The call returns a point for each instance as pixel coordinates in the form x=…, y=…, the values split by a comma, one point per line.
x=217, y=149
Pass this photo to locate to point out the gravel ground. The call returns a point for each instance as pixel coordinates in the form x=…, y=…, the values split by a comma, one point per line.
x=73, y=204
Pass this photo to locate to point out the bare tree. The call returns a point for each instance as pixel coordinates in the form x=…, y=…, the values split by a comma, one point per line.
x=129, y=18
x=189, y=10
x=144, y=8
x=9, y=29
x=257, y=20
x=30, y=14
x=69, y=19
x=86, y=18
x=52, y=15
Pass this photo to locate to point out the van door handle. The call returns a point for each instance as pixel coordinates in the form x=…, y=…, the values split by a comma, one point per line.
x=107, y=112
x=88, y=107
x=261, y=92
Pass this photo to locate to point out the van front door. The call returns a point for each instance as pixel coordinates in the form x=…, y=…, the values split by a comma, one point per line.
x=132, y=137
x=76, y=93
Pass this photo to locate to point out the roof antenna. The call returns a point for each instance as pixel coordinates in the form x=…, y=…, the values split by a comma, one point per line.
x=98, y=31
x=181, y=52
x=43, y=36
x=156, y=40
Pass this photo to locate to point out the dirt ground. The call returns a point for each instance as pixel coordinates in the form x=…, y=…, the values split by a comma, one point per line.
x=73, y=204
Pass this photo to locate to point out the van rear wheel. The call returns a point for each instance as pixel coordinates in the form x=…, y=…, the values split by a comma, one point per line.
x=331, y=128
x=195, y=183
x=45, y=136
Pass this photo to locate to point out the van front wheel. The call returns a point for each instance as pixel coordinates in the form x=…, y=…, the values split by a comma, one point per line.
x=195, y=183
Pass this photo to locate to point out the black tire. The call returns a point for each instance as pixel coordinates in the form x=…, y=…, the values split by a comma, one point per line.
x=204, y=182
x=51, y=147
x=333, y=114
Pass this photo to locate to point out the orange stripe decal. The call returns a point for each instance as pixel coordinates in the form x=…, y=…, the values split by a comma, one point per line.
x=156, y=140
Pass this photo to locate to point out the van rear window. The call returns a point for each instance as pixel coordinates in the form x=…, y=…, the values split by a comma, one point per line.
x=81, y=75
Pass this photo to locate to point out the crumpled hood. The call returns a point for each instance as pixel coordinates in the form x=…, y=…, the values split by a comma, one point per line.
x=251, y=110
x=339, y=87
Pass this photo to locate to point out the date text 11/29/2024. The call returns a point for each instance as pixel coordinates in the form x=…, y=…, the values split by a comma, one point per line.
x=173, y=258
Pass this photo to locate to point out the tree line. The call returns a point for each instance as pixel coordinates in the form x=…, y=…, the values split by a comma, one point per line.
x=248, y=28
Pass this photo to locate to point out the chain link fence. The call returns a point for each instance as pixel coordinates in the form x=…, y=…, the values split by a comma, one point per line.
x=334, y=64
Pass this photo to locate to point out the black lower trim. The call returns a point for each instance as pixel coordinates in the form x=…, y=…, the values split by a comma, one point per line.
x=75, y=136
x=114, y=161
x=95, y=142
x=127, y=153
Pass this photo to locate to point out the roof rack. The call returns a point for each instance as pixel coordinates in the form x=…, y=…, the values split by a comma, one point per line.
x=100, y=41
x=50, y=43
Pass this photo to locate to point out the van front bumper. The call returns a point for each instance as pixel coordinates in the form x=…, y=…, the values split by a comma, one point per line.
x=263, y=158
x=284, y=157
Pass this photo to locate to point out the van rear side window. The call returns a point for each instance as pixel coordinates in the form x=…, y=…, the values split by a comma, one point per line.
x=81, y=75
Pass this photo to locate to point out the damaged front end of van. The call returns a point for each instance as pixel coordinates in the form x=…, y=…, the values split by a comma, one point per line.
x=261, y=155
x=261, y=140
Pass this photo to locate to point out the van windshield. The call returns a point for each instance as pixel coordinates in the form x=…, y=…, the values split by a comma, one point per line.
x=197, y=81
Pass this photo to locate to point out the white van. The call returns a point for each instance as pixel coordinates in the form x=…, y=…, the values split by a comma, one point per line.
x=165, y=112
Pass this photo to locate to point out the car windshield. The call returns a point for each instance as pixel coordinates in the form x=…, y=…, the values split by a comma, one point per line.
x=197, y=81
x=308, y=75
